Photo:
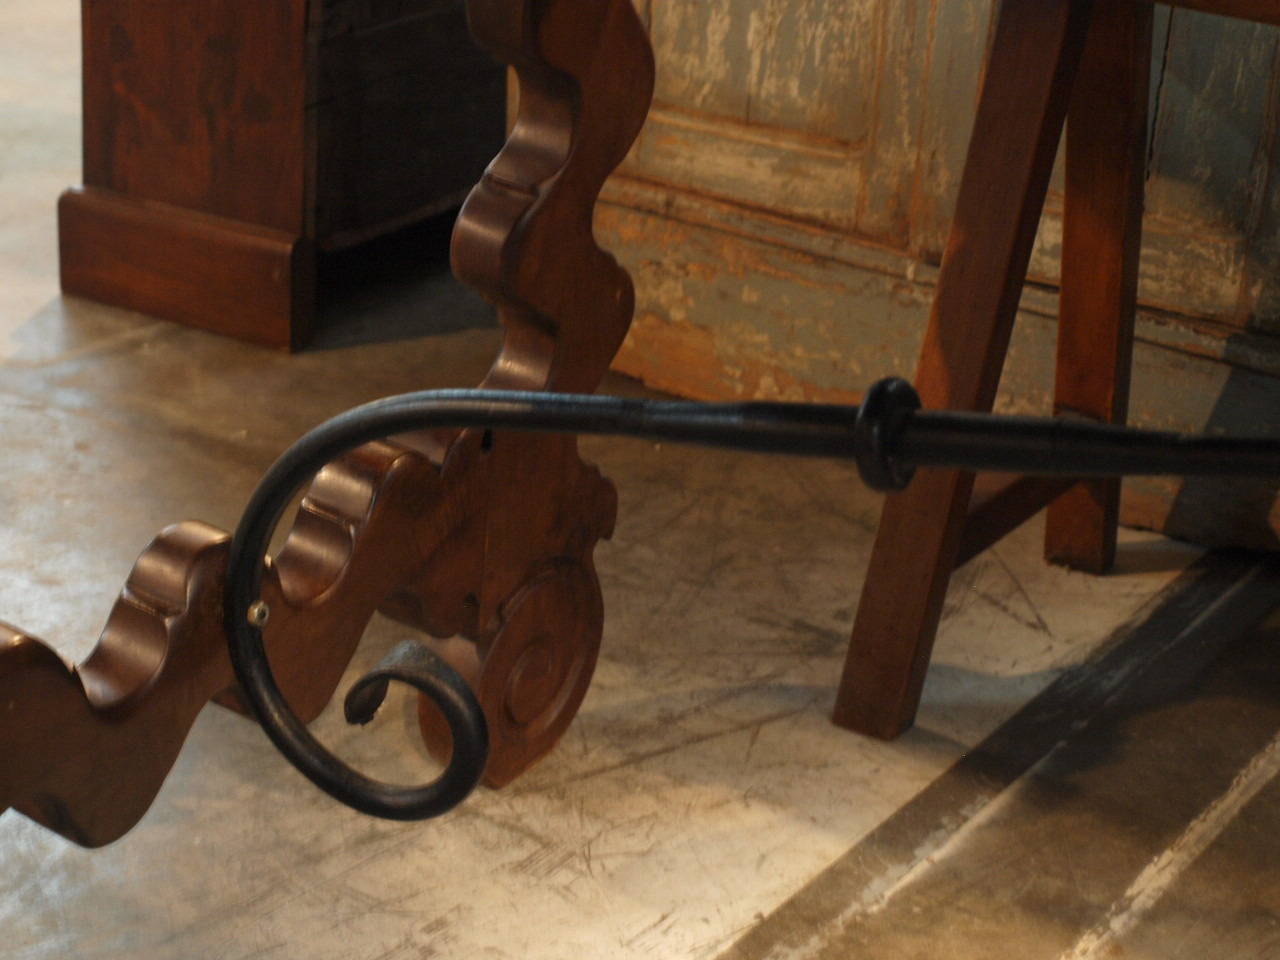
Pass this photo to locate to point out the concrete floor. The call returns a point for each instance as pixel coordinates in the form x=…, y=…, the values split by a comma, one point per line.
x=1093, y=770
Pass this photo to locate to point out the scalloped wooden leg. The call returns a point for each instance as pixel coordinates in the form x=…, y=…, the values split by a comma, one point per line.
x=351, y=546
x=86, y=749
x=538, y=512
x=524, y=240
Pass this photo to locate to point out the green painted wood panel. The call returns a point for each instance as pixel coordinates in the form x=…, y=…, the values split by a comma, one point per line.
x=854, y=115
x=786, y=206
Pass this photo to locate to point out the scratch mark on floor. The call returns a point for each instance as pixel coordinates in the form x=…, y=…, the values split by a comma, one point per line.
x=1017, y=585
x=647, y=755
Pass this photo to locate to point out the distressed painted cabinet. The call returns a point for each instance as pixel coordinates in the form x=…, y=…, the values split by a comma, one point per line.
x=785, y=210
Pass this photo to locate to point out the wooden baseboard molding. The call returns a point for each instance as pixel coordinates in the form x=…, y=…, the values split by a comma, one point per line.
x=733, y=304
x=225, y=276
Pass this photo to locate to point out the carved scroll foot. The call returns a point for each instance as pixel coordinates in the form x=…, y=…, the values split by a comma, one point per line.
x=532, y=676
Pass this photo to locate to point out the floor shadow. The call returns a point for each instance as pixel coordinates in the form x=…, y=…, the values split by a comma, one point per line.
x=1153, y=556
x=1232, y=511
x=397, y=287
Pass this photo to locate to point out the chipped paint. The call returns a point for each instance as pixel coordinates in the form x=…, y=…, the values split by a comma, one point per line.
x=784, y=211
x=854, y=117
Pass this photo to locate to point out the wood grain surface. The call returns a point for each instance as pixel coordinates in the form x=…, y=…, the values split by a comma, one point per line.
x=254, y=283
x=326, y=123
x=1101, y=241
x=524, y=239
x=1034, y=56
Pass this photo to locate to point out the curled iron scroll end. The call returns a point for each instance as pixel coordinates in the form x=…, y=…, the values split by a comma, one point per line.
x=414, y=664
x=420, y=667
x=245, y=617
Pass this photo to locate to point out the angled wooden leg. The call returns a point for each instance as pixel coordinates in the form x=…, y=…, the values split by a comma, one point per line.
x=1101, y=235
x=1033, y=61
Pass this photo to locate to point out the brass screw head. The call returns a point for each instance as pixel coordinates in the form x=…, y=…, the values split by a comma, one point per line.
x=259, y=614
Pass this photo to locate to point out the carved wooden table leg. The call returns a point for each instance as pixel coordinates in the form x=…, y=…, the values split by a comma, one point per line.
x=483, y=540
x=86, y=749
x=524, y=240
x=507, y=584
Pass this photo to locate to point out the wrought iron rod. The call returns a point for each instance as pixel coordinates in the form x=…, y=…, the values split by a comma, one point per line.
x=1041, y=445
x=887, y=435
x=925, y=438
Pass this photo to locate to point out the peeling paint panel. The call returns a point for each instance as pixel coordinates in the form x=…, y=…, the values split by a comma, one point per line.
x=950, y=102
x=1197, y=274
x=1213, y=102
x=814, y=67
x=809, y=180
x=722, y=316
x=855, y=114
x=702, y=50
x=906, y=33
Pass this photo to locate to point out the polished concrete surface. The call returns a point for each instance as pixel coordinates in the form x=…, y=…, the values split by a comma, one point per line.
x=1092, y=771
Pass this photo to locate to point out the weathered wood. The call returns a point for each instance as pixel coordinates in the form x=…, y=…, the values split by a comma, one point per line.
x=1209, y=175
x=812, y=110
x=1102, y=233
x=1034, y=56
x=695, y=260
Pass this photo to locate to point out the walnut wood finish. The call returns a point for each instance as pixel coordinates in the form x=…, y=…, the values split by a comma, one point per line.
x=1101, y=235
x=86, y=749
x=524, y=239
x=1048, y=60
x=195, y=145
x=483, y=541
x=315, y=123
x=205, y=271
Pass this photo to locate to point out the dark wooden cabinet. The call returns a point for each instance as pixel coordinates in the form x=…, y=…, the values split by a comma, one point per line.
x=227, y=141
